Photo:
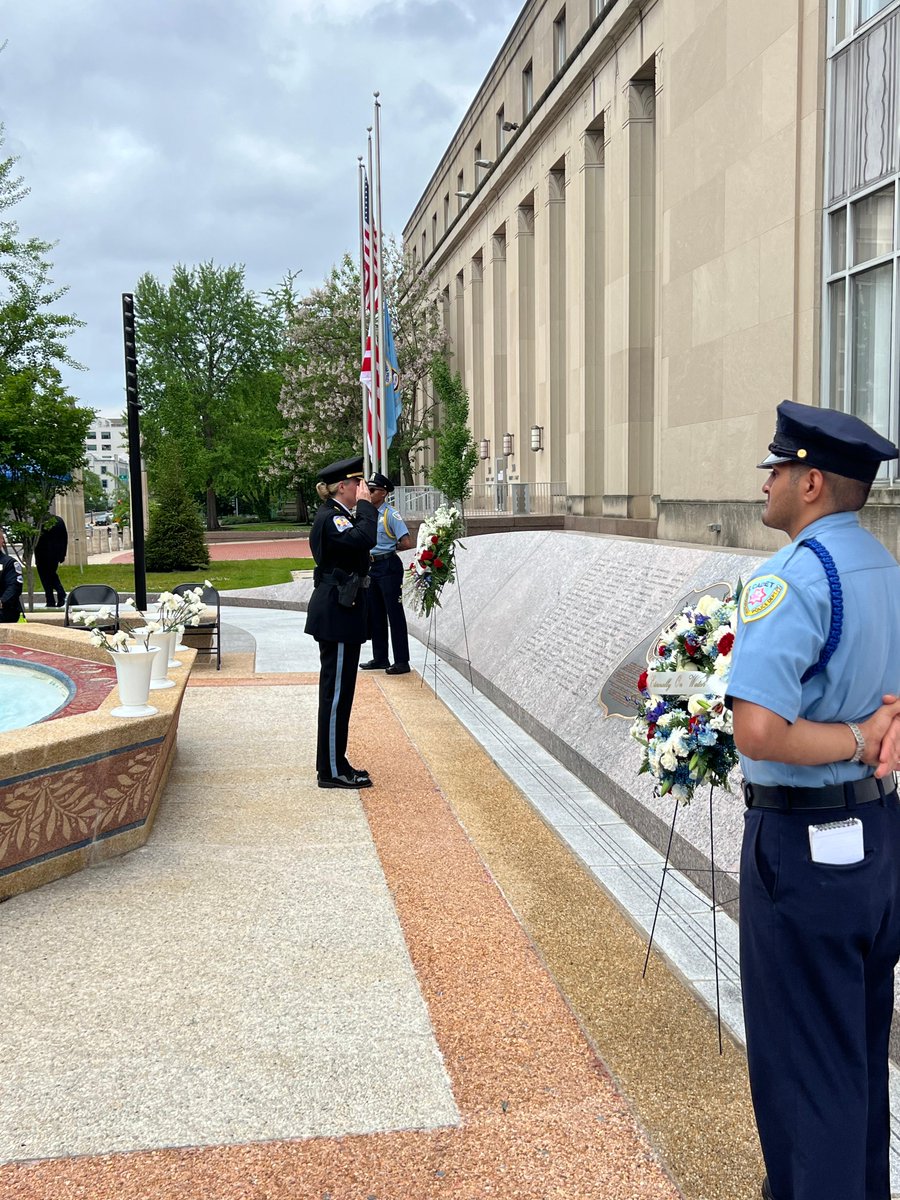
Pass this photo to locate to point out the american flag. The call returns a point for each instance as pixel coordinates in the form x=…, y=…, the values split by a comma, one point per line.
x=370, y=293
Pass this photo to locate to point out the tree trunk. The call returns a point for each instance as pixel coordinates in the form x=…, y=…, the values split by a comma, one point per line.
x=212, y=516
x=302, y=508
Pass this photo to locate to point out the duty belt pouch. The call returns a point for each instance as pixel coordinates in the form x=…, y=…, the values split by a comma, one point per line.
x=346, y=592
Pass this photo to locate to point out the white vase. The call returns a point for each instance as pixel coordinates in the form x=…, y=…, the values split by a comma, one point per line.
x=164, y=643
x=133, y=669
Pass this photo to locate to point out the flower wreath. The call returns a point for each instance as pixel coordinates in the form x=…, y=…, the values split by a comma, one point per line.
x=683, y=723
x=434, y=563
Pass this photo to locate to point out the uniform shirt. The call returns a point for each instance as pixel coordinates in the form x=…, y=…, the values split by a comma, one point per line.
x=391, y=527
x=339, y=541
x=783, y=624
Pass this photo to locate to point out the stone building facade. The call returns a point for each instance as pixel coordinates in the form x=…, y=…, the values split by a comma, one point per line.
x=655, y=221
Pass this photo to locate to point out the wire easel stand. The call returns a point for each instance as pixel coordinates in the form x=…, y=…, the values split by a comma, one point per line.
x=431, y=642
x=662, y=884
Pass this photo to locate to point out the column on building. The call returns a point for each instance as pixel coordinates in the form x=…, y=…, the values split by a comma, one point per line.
x=523, y=389
x=498, y=423
x=631, y=403
x=458, y=363
x=587, y=404
x=557, y=323
x=474, y=376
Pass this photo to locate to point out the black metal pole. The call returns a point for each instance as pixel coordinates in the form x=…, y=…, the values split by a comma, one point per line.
x=133, y=408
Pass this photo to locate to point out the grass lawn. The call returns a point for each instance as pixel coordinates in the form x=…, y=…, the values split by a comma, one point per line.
x=247, y=573
x=300, y=530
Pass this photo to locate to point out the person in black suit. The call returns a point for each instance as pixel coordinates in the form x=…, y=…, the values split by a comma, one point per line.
x=49, y=551
x=341, y=542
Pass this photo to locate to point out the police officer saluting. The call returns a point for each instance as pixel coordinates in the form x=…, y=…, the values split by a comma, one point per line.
x=813, y=686
x=341, y=543
x=385, y=594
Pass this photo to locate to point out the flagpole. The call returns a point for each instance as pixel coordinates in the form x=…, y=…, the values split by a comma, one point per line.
x=382, y=364
x=374, y=307
x=362, y=312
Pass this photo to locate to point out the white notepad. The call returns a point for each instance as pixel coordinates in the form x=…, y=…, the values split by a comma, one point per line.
x=838, y=843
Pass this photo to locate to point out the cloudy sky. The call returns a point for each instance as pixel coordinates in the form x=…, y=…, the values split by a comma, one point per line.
x=163, y=131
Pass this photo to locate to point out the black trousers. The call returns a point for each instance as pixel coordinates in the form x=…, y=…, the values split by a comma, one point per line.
x=337, y=684
x=819, y=945
x=386, y=608
x=48, y=570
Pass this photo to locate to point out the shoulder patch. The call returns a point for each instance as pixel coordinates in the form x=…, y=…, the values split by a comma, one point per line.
x=342, y=523
x=762, y=596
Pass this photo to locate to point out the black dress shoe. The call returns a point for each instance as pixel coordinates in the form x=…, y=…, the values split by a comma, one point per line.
x=398, y=669
x=359, y=772
x=340, y=781
x=374, y=666
x=766, y=1190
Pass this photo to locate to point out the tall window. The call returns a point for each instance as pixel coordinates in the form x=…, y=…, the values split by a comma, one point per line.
x=433, y=230
x=863, y=360
x=559, y=42
x=527, y=90
x=501, y=132
x=447, y=211
x=848, y=15
x=460, y=187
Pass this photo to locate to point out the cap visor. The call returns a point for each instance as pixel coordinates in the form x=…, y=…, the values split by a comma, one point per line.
x=772, y=460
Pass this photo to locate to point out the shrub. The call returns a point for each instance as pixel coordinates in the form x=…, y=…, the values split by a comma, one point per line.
x=175, y=540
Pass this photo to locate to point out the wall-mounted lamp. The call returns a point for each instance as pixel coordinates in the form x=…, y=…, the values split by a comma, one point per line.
x=484, y=448
x=484, y=162
x=537, y=437
x=464, y=195
x=507, y=444
x=509, y=126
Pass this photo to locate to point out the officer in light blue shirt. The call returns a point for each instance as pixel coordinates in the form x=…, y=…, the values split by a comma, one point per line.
x=813, y=687
x=386, y=592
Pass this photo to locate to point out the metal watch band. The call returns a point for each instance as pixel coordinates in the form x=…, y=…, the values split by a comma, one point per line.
x=860, y=741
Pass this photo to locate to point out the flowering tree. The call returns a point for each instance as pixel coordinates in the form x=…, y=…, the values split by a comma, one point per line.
x=321, y=400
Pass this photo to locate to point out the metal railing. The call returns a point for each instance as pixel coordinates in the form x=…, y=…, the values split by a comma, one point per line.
x=487, y=499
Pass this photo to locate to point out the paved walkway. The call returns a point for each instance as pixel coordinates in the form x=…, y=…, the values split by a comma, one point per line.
x=234, y=551
x=430, y=988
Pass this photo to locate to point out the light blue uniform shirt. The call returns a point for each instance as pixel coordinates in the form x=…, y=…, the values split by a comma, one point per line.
x=389, y=519
x=773, y=650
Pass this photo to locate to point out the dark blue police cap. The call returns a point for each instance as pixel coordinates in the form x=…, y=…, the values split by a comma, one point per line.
x=378, y=480
x=830, y=440
x=347, y=468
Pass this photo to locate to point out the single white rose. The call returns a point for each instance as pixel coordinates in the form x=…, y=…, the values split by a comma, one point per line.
x=708, y=605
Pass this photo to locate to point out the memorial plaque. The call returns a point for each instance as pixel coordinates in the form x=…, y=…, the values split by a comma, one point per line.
x=619, y=694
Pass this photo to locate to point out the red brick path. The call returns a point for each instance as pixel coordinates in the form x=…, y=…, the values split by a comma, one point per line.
x=240, y=551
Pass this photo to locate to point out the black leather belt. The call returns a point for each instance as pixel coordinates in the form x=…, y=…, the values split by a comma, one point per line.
x=833, y=795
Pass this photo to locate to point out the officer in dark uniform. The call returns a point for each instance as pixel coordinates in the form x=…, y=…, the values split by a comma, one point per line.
x=10, y=586
x=813, y=686
x=49, y=551
x=341, y=543
x=386, y=592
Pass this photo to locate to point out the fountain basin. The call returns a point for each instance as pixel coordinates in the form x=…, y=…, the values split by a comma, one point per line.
x=78, y=785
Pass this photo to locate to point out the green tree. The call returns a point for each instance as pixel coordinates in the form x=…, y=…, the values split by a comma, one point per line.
x=321, y=401
x=175, y=540
x=94, y=495
x=456, y=452
x=206, y=343
x=42, y=432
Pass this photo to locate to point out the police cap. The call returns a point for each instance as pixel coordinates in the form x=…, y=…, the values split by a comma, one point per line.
x=380, y=481
x=830, y=440
x=347, y=468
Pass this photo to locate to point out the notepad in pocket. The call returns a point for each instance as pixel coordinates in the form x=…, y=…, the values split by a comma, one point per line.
x=838, y=843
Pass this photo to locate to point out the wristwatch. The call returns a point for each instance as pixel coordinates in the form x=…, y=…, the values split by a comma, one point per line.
x=860, y=742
